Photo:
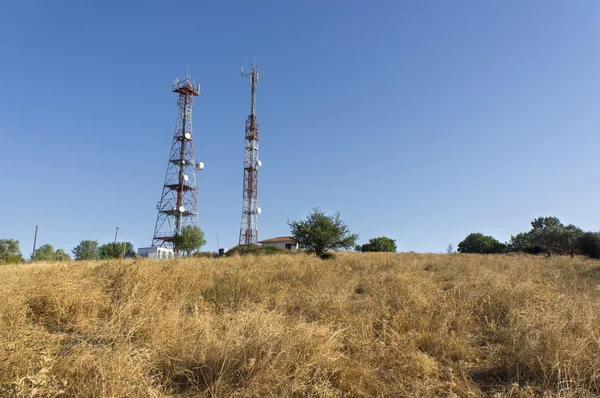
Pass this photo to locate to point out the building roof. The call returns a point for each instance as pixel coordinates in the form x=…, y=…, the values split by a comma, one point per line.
x=281, y=239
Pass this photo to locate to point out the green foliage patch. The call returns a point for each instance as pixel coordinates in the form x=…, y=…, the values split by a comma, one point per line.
x=255, y=250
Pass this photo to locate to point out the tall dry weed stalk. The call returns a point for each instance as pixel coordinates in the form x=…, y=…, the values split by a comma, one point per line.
x=399, y=325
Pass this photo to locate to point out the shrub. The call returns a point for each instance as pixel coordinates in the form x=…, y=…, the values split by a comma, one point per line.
x=205, y=255
x=327, y=256
x=13, y=259
x=255, y=250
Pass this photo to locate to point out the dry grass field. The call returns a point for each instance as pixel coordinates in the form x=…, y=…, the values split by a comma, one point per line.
x=390, y=325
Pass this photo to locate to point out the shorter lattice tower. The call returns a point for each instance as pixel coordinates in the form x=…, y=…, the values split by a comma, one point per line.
x=178, y=206
x=250, y=209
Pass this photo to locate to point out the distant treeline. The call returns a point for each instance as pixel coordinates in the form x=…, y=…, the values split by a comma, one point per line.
x=10, y=252
x=189, y=241
x=547, y=235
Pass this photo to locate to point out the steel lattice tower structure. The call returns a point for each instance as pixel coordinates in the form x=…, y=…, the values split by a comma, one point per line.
x=250, y=209
x=178, y=206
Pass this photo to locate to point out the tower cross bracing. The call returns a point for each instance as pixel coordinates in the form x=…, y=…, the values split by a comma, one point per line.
x=178, y=205
x=250, y=209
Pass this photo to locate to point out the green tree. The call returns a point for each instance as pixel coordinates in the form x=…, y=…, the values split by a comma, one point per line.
x=588, y=244
x=381, y=244
x=480, y=243
x=519, y=243
x=556, y=239
x=86, y=250
x=116, y=250
x=568, y=240
x=319, y=232
x=190, y=240
x=546, y=234
x=10, y=251
x=43, y=253
x=9, y=247
x=545, y=222
x=61, y=255
x=47, y=253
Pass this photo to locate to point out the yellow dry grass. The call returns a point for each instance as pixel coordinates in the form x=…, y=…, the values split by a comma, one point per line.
x=398, y=325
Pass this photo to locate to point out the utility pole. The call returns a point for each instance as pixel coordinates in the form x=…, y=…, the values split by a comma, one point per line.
x=116, y=234
x=35, y=240
x=218, y=245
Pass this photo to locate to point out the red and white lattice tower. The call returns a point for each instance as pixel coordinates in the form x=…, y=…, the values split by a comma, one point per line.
x=178, y=206
x=250, y=209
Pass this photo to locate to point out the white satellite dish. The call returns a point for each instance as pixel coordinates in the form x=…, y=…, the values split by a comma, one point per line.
x=258, y=163
x=258, y=210
x=181, y=209
x=185, y=177
x=188, y=136
x=200, y=166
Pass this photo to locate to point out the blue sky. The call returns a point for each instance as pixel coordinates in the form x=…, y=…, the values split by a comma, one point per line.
x=423, y=121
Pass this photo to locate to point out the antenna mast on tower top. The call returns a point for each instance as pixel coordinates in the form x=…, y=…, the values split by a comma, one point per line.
x=250, y=209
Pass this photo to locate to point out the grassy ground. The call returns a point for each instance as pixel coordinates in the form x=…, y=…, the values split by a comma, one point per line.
x=294, y=326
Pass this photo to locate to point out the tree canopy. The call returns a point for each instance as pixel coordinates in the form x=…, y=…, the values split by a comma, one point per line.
x=381, y=244
x=480, y=243
x=10, y=251
x=320, y=232
x=545, y=222
x=519, y=243
x=588, y=244
x=47, y=253
x=547, y=235
x=8, y=247
x=86, y=250
x=190, y=240
x=555, y=239
x=116, y=250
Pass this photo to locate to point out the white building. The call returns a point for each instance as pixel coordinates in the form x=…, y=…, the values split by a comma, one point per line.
x=156, y=252
x=282, y=242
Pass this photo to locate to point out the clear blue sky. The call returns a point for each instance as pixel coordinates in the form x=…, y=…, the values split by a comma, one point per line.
x=423, y=121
